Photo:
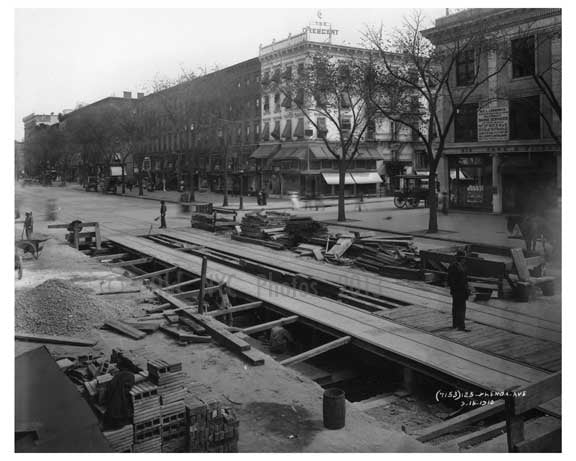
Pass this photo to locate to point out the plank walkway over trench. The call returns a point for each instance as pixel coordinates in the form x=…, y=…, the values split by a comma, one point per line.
x=446, y=357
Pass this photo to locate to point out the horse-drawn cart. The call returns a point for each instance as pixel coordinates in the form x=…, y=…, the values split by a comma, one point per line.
x=413, y=190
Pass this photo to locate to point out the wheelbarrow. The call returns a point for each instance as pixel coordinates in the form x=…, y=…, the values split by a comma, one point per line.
x=33, y=246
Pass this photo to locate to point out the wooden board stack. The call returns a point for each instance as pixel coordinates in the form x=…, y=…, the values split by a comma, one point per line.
x=212, y=429
x=264, y=225
x=121, y=440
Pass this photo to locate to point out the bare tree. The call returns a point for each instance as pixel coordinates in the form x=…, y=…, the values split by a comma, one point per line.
x=420, y=91
x=331, y=93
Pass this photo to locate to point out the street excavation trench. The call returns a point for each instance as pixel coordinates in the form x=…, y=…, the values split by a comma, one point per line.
x=278, y=396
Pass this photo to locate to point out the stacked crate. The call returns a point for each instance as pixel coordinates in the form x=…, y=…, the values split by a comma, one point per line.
x=121, y=440
x=212, y=429
x=147, y=418
x=170, y=378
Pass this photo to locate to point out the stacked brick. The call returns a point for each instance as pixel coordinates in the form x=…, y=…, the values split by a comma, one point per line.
x=121, y=440
x=170, y=379
x=212, y=429
x=147, y=418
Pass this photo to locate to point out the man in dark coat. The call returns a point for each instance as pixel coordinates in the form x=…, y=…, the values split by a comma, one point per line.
x=29, y=225
x=118, y=402
x=162, y=214
x=458, y=283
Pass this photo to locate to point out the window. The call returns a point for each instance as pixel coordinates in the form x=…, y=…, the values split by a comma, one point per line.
x=421, y=160
x=525, y=118
x=370, y=130
x=300, y=68
x=257, y=103
x=465, y=123
x=247, y=132
x=523, y=57
x=288, y=73
x=257, y=129
x=345, y=124
x=321, y=124
x=465, y=68
x=266, y=103
x=277, y=102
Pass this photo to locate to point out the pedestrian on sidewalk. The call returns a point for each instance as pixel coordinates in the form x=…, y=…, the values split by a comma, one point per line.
x=29, y=225
x=458, y=283
x=162, y=214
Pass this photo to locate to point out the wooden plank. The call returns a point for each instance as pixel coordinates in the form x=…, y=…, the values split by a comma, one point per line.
x=47, y=339
x=537, y=393
x=534, y=324
x=219, y=332
x=549, y=442
x=552, y=408
x=182, y=284
x=103, y=258
x=123, y=328
x=234, y=309
x=132, y=262
x=154, y=274
x=253, y=357
x=461, y=421
x=520, y=263
x=479, y=436
x=266, y=326
x=155, y=309
x=144, y=326
x=207, y=291
x=181, y=336
x=171, y=299
x=317, y=351
x=195, y=327
x=121, y=292
x=420, y=348
x=201, y=293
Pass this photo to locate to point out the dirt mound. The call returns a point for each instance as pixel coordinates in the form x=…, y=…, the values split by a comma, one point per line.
x=58, y=307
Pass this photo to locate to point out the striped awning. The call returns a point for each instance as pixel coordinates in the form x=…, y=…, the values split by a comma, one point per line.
x=265, y=151
x=367, y=177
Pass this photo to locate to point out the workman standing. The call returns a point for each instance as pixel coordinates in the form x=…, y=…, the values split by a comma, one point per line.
x=118, y=402
x=162, y=214
x=29, y=225
x=458, y=283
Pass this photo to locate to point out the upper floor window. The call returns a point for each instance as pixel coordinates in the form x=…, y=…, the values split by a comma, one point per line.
x=321, y=124
x=525, y=118
x=523, y=57
x=465, y=68
x=266, y=103
x=346, y=124
x=465, y=123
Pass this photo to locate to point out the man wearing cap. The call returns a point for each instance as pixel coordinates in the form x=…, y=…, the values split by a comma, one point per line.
x=458, y=283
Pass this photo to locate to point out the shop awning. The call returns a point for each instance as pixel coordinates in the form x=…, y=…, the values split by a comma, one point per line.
x=287, y=132
x=320, y=152
x=369, y=153
x=369, y=177
x=299, y=131
x=265, y=151
x=291, y=153
x=334, y=178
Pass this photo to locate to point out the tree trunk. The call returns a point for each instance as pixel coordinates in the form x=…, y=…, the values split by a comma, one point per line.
x=341, y=187
x=432, y=200
x=123, y=180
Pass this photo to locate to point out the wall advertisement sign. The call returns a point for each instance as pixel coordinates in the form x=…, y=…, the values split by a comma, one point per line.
x=493, y=124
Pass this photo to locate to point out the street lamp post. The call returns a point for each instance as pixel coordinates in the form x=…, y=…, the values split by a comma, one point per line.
x=241, y=207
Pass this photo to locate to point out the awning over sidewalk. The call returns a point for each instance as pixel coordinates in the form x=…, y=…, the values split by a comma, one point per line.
x=265, y=151
x=286, y=153
x=368, y=177
x=334, y=178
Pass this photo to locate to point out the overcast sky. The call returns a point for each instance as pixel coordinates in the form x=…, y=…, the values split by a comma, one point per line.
x=67, y=56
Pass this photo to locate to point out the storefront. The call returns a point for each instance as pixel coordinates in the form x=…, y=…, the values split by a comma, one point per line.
x=470, y=185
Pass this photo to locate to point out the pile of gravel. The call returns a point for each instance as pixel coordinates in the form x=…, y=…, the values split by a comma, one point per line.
x=58, y=307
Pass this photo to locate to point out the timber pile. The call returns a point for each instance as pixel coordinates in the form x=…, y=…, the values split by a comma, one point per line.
x=391, y=257
x=300, y=229
x=264, y=225
x=213, y=220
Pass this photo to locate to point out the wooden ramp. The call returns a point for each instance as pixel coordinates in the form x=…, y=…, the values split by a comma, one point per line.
x=418, y=348
x=534, y=326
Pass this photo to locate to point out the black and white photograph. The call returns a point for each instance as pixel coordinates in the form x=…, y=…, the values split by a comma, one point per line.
x=307, y=228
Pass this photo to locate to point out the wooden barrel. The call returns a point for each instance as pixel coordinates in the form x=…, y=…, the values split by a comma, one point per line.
x=334, y=406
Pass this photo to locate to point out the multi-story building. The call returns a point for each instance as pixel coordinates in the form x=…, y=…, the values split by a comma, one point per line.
x=34, y=120
x=504, y=149
x=203, y=129
x=292, y=155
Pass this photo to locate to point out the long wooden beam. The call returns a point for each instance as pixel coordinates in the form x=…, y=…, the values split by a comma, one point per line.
x=55, y=340
x=102, y=258
x=268, y=325
x=155, y=274
x=171, y=299
x=207, y=290
x=181, y=284
x=234, y=309
x=132, y=262
x=317, y=351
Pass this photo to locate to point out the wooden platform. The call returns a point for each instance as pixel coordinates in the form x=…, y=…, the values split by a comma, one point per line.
x=532, y=325
x=411, y=346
